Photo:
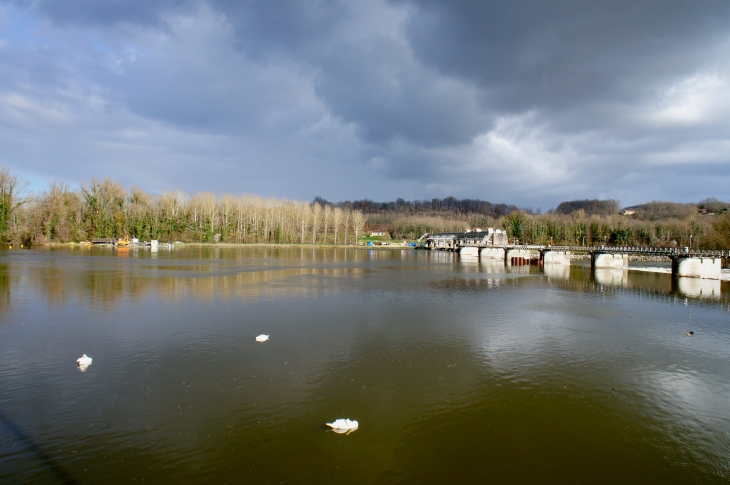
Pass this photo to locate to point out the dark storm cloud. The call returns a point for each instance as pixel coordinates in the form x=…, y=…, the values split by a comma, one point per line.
x=287, y=27
x=555, y=54
x=524, y=101
x=369, y=80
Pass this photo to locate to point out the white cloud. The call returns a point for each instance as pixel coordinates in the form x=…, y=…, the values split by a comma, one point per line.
x=696, y=100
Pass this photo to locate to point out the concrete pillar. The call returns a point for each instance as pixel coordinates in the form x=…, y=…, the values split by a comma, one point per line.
x=609, y=260
x=707, y=268
x=469, y=251
x=556, y=257
x=493, y=253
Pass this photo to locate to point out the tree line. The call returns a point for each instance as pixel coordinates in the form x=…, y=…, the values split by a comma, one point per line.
x=448, y=207
x=576, y=229
x=105, y=209
x=577, y=222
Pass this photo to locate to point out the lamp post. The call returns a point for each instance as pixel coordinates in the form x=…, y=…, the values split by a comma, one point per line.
x=584, y=241
x=605, y=240
x=690, y=242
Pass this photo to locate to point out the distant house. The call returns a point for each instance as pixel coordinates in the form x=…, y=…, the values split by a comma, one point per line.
x=627, y=212
x=377, y=233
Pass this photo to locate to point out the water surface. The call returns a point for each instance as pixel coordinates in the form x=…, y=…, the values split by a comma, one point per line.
x=458, y=371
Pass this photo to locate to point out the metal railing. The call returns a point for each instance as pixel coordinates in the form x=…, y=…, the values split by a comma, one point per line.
x=479, y=239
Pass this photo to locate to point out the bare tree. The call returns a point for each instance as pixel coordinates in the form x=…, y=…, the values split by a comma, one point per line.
x=326, y=217
x=227, y=210
x=171, y=208
x=346, y=219
x=210, y=208
x=358, y=223
x=337, y=216
x=304, y=216
x=53, y=211
x=316, y=220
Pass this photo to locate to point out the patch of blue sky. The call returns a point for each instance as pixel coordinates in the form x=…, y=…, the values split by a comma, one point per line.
x=20, y=29
x=38, y=184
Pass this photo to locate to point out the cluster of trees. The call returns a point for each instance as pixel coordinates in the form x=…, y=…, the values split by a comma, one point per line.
x=575, y=222
x=449, y=208
x=579, y=228
x=713, y=206
x=659, y=210
x=590, y=207
x=104, y=209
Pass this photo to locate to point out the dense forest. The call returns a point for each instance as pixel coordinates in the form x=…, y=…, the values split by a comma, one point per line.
x=106, y=209
x=590, y=207
x=575, y=222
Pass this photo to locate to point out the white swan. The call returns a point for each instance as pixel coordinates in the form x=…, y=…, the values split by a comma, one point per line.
x=83, y=362
x=343, y=426
x=262, y=338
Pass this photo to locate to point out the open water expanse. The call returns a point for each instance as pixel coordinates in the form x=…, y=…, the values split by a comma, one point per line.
x=458, y=371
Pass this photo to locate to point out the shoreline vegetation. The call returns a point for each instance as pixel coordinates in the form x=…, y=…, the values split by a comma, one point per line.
x=105, y=209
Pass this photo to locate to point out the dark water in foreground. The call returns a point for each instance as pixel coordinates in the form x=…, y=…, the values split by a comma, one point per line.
x=457, y=371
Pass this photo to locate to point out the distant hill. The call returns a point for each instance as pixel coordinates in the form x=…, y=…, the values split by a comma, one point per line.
x=591, y=207
x=448, y=206
x=660, y=210
x=714, y=206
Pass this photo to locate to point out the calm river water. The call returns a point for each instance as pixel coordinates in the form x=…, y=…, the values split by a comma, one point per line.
x=458, y=371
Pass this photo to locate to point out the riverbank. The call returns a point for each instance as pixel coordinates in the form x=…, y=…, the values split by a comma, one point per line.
x=246, y=245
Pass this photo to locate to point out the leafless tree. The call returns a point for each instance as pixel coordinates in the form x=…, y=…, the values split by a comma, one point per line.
x=327, y=217
x=227, y=210
x=358, y=223
x=304, y=216
x=316, y=220
x=337, y=216
x=346, y=220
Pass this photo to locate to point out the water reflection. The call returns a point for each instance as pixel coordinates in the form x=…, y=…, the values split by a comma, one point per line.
x=112, y=278
x=557, y=270
x=698, y=288
x=557, y=373
x=612, y=277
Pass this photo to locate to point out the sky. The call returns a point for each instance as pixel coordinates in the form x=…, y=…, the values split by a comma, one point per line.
x=523, y=102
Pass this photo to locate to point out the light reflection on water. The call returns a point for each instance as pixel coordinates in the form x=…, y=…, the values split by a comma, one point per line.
x=457, y=369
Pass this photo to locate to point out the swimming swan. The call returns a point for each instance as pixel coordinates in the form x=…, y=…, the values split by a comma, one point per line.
x=83, y=362
x=262, y=338
x=343, y=426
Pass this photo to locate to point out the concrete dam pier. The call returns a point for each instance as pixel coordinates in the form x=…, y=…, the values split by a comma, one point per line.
x=493, y=245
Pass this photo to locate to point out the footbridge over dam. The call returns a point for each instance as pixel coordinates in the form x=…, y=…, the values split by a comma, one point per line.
x=685, y=261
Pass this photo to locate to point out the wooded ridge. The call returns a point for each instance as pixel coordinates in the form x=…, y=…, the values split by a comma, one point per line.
x=105, y=209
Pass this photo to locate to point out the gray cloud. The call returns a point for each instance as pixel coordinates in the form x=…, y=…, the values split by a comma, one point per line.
x=102, y=13
x=523, y=101
x=526, y=53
